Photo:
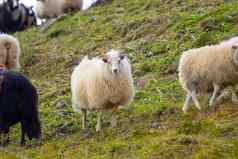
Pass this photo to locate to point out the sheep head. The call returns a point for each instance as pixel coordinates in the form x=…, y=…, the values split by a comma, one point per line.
x=3, y=53
x=12, y=4
x=113, y=59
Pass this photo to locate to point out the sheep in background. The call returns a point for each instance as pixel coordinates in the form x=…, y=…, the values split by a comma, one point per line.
x=9, y=52
x=18, y=104
x=49, y=8
x=72, y=5
x=206, y=69
x=233, y=40
x=54, y=8
x=15, y=16
x=28, y=17
x=102, y=84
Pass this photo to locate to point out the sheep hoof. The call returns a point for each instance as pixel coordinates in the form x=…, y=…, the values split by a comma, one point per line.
x=199, y=108
x=114, y=124
x=185, y=110
x=211, y=105
x=98, y=129
x=235, y=101
x=5, y=143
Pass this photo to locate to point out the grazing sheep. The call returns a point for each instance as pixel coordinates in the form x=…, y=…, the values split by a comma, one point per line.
x=207, y=69
x=9, y=52
x=101, y=2
x=30, y=18
x=53, y=8
x=72, y=5
x=8, y=18
x=102, y=84
x=18, y=104
x=46, y=9
x=15, y=16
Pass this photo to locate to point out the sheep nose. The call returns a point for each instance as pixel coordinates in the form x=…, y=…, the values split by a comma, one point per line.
x=115, y=71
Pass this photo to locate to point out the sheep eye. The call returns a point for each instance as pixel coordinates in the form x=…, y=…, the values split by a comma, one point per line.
x=105, y=60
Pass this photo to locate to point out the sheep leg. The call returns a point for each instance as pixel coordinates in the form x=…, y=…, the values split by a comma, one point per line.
x=186, y=103
x=1, y=138
x=22, y=136
x=114, y=118
x=6, y=138
x=194, y=98
x=221, y=96
x=234, y=98
x=214, y=95
x=84, y=118
x=99, y=120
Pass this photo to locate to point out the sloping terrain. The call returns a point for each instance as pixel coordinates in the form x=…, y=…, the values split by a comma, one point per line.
x=153, y=33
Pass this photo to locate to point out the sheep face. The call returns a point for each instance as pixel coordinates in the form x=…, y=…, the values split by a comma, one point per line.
x=13, y=4
x=3, y=54
x=114, y=60
x=235, y=53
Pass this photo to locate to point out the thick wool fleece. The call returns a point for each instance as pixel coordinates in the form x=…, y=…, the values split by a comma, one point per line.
x=9, y=52
x=94, y=87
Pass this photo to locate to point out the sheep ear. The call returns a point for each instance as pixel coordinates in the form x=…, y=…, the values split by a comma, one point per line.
x=122, y=56
x=104, y=58
x=7, y=45
x=234, y=47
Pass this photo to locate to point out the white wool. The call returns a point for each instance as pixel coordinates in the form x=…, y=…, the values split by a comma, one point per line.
x=11, y=54
x=231, y=41
x=49, y=8
x=201, y=69
x=94, y=87
x=54, y=8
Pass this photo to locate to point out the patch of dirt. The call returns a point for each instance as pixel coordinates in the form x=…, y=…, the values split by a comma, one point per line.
x=141, y=82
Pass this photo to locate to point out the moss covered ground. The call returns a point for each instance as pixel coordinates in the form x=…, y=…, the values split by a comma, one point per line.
x=154, y=33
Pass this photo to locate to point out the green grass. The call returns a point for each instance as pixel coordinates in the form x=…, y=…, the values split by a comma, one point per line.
x=154, y=33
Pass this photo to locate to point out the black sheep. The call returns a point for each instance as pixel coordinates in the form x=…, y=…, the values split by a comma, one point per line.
x=18, y=104
x=15, y=16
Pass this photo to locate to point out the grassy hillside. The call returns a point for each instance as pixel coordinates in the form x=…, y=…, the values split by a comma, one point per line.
x=153, y=33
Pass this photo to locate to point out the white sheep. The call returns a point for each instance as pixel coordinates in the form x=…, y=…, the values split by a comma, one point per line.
x=9, y=52
x=207, y=69
x=233, y=40
x=54, y=8
x=102, y=84
x=72, y=5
